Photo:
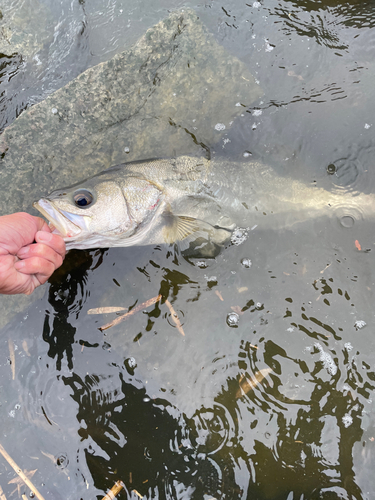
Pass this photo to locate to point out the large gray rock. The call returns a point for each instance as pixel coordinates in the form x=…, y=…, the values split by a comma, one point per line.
x=162, y=97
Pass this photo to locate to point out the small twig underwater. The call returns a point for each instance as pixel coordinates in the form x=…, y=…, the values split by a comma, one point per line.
x=2, y=496
x=116, y=488
x=175, y=317
x=249, y=384
x=148, y=303
x=21, y=474
x=106, y=310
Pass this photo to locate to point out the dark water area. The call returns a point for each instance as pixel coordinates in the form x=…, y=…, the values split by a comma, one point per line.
x=267, y=389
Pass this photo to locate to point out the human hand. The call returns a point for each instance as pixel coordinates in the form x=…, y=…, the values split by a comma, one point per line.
x=29, y=253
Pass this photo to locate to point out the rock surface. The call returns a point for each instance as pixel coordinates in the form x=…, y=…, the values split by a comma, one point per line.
x=163, y=97
x=23, y=28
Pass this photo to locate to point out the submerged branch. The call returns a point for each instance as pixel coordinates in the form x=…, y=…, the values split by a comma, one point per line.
x=248, y=384
x=106, y=310
x=2, y=496
x=21, y=474
x=175, y=318
x=148, y=303
x=116, y=488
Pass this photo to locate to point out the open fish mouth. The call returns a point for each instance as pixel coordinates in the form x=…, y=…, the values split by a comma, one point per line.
x=66, y=224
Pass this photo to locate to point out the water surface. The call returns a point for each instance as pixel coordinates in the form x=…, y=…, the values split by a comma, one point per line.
x=277, y=404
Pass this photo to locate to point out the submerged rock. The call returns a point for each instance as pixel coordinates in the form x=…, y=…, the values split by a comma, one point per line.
x=162, y=97
x=23, y=28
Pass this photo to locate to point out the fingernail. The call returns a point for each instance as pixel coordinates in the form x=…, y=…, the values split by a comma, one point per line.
x=45, y=236
x=19, y=265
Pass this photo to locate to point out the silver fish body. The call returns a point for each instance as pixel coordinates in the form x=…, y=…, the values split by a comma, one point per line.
x=184, y=200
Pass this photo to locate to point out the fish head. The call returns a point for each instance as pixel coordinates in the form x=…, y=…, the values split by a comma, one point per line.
x=102, y=211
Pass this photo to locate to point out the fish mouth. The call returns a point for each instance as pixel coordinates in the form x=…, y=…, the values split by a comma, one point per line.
x=64, y=223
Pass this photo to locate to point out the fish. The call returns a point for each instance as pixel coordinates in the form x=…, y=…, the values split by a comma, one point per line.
x=192, y=202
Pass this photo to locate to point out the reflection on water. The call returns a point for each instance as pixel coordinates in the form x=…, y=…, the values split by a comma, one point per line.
x=66, y=295
x=269, y=391
x=272, y=408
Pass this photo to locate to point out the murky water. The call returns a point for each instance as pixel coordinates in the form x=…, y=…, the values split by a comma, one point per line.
x=265, y=387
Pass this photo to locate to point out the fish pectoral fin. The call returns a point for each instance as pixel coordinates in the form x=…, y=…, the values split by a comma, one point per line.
x=184, y=230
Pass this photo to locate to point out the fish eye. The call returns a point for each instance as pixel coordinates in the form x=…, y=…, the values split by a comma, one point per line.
x=83, y=198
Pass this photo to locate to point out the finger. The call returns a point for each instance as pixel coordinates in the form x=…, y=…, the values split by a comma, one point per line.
x=41, y=224
x=54, y=241
x=36, y=265
x=42, y=251
x=37, y=223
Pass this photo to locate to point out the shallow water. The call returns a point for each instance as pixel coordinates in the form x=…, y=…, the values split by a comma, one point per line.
x=277, y=404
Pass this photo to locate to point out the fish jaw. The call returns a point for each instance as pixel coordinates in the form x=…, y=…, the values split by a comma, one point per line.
x=65, y=224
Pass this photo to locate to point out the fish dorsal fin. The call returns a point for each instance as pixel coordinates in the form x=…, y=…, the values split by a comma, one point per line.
x=183, y=230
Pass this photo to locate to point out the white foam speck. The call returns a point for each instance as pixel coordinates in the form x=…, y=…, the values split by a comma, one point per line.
x=347, y=420
x=348, y=346
x=233, y=319
x=256, y=5
x=220, y=126
x=54, y=111
x=239, y=235
x=359, y=324
x=327, y=360
x=257, y=112
x=367, y=126
x=290, y=329
x=269, y=47
x=246, y=263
